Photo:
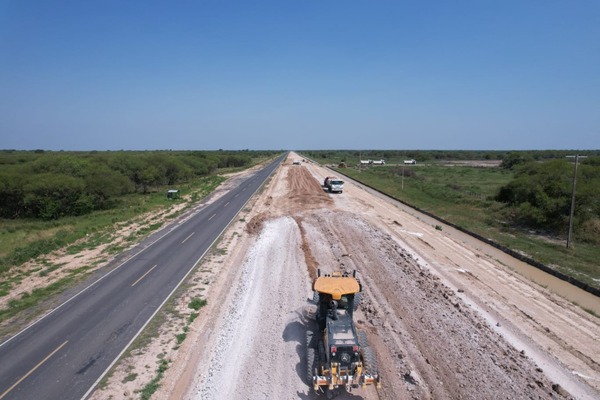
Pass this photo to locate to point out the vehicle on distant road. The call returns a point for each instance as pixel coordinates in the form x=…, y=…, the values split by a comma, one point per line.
x=372, y=162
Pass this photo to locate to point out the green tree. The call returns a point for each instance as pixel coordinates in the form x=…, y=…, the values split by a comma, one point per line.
x=11, y=194
x=50, y=196
x=71, y=165
x=103, y=186
x=515, y=158
x=133, y=167
x=540, y=195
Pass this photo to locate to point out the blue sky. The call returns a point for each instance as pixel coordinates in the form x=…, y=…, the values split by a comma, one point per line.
x=299, y=74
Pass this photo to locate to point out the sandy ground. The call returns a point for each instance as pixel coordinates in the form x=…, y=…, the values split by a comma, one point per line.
x=447, y=319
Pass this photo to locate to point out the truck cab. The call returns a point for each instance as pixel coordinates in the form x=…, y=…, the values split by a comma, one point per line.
x=334, y=184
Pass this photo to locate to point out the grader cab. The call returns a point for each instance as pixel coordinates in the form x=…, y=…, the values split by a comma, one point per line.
x=338, y=356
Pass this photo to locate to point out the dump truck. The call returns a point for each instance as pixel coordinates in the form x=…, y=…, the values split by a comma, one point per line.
x=338, y=355
x=333, y=184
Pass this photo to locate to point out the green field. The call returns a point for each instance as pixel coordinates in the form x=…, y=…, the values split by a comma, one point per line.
x=464, y=196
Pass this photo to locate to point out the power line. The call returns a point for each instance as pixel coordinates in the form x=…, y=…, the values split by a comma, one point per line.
x=577, y=157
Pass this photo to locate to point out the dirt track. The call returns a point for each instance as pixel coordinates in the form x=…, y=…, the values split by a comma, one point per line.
x=446, y=320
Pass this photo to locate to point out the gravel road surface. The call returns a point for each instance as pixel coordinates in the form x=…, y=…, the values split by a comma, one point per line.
x=446, y=319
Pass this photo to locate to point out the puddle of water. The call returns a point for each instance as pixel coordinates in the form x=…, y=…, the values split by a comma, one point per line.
x=418, y=234
x=556, y=285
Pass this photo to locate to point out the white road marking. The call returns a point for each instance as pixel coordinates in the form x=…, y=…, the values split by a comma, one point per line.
x=184, y=240
x=32, y=370
x=143, y=276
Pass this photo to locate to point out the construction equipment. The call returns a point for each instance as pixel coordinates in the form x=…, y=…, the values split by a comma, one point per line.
x=333, y=184
x=338, y=356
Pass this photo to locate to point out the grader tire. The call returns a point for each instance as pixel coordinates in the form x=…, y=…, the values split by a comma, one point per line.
x=370, y=361
x=310, y=340
x=362, y=339
x=310, y=366
x=310, y=357
x=368, y=355
x=357, y=300
x=315, y=298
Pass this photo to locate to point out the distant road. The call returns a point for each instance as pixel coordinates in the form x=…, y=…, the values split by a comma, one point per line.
x=64, y=354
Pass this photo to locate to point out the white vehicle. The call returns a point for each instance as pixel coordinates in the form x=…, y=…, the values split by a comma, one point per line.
x=410, y=162
x=333, y=184
x=378, y=162
x=296, y=162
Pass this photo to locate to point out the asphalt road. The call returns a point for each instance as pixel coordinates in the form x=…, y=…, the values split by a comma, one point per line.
x=66, y=353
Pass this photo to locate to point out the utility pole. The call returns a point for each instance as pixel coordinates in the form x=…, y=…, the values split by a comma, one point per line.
x=402, y=176
x=577, y=157
x=359, y=161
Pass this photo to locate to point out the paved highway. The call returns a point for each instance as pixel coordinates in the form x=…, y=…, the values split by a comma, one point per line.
x=66, y=353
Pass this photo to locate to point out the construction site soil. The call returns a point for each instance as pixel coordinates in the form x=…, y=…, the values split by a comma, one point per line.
x=446, y=319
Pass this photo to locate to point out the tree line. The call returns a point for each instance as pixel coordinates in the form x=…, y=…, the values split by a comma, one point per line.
x=50, y=185
x=396, y=156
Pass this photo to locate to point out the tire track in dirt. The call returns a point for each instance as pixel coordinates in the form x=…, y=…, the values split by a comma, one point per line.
x=442, y=350
x=430, y=343
x=432, y=307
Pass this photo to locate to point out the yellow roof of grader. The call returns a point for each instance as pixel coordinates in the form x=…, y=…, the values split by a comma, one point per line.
x=336, y=285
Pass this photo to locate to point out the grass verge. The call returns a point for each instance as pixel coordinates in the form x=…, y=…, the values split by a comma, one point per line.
x=154, y=384
x=464, y=197
x=22, y=240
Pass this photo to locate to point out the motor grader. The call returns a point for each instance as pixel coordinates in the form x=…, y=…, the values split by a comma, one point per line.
x=338, y=356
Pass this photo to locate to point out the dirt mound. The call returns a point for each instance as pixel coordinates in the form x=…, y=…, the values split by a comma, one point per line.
x=255, y=225
x=304, y=192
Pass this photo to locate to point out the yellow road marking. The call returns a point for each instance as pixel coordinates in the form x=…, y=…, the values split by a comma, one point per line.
x=143, y=276
x=184, y=240
x=33, y=370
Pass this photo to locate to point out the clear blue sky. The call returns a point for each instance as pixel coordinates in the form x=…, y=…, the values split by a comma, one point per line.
x=299, y=74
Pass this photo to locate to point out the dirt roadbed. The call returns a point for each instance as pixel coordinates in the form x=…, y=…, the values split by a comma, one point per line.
x=446, y=320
